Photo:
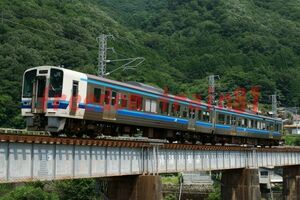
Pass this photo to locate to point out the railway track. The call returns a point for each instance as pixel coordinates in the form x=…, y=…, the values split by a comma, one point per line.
x=41, y=137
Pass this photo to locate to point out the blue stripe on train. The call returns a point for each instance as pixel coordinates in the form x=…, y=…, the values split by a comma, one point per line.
x=223, y=126
x=151, y=116
x=91, y=107
x=249, y=130
x=205, y=124
x=61, y=104
x=98, y=108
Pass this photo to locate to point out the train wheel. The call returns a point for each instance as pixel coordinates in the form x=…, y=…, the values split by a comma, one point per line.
x=213, y=140
x=170, y=140
x=69, y=133
x=92, y=134
x=79, y=134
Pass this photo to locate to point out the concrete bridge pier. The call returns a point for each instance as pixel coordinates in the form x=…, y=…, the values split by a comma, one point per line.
x=291, y=182
x=146, y=187
x=240, y=184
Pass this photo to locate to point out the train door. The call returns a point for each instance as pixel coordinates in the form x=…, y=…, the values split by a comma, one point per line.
x=192, y=119
x=110, y=101
x=39, y=95
x=74, y=98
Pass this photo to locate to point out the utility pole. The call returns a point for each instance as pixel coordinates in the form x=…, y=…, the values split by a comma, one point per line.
x=212, y=88
x=102, y=40
x=297, y=122
x=274, y=105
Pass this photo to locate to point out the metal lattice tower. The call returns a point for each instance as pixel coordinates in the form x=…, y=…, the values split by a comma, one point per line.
x=102, y=40
x=212, y=88
x=274, y=105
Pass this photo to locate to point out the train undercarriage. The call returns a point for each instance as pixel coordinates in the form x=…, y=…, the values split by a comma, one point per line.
x=92, y=129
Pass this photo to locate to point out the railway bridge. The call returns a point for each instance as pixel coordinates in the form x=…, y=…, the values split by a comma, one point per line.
x=132, y=165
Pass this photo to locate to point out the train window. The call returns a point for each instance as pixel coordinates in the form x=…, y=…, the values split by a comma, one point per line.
x=175, y=110
x=253, y=123
x=97, y=95
x=29, y=79
x=192, y=113
x=242, y=122
x=184, y=112
x=258, y=126
x=279, y=127
x=267, y=126
x=272, y=126
x=200, y=114
x=238, y=121
x=263, y=125
x=249, y=123
x=75, y=88
x=233, y=120
x=228, y=119
x=56, y=83
x=136, y=102
x=123, y=101
x=164, y=107
x=221, y=118
x=150, y=105
x=107, y=97
x=206, y=116
x=154, y=106
x=113, y=98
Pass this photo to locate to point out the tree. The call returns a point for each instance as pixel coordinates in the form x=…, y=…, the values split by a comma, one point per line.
x=29, y=193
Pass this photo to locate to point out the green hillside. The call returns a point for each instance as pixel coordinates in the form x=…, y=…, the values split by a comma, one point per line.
x=247, y=43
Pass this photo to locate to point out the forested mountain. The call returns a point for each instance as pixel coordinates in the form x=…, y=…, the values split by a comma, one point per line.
x=247, y=43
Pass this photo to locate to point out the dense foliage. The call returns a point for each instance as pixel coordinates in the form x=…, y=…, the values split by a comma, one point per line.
x=292, y=140
x=66, y=189
x=29, y=193
x=247, y=43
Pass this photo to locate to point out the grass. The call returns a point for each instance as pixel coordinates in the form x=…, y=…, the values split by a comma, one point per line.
x=170, y=179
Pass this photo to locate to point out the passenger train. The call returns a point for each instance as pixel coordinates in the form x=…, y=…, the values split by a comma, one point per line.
x=63, y=101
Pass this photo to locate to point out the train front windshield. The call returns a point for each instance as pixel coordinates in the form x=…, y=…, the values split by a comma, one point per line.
x=35, y=85
x=29, y=79
x=56, y=83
